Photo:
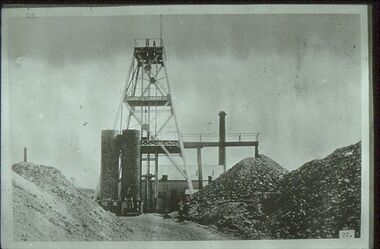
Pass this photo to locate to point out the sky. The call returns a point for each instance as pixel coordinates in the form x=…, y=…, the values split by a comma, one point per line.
x=295, y=79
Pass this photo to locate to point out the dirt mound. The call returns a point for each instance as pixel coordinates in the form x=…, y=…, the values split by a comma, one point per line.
x=321, y=197
x=239, y=200
x=46, y=206
x=257, y=199
x=250, y=175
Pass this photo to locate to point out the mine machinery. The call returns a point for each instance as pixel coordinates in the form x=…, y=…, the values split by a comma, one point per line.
x=130, y=155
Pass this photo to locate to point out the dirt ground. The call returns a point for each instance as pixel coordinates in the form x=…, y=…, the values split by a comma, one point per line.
x=154, y=227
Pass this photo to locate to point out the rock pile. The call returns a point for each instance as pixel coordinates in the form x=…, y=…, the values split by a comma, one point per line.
x=46, y=206
x=236, y=201
x=321, y=197
x=257, y=199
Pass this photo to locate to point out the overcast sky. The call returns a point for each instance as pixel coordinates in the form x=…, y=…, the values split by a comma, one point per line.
x=293, y=78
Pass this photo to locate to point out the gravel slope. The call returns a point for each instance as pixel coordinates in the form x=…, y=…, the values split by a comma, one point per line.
x=321, y=197
x=315, y=201
x=48, y=207
x=239, y=201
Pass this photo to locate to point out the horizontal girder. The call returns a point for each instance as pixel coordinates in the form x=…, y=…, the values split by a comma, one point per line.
x=147, y=100
x=153, y=146
x=193, y=145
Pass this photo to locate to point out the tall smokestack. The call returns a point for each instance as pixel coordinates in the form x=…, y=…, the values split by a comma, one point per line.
x=222, y=139
x=25, y=155
x=200, y=173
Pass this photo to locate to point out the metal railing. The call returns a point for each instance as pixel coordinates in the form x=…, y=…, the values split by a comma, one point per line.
x=149, y=42
x=214, y=137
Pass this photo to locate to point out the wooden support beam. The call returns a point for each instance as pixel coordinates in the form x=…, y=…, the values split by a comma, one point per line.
x=156, y=181
x=170, y=157
x=147, y=183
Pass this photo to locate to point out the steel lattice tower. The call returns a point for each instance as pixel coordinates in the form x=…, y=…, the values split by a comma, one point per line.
x=147, y=98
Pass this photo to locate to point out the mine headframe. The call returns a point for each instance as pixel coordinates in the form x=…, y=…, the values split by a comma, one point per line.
x=151, y=124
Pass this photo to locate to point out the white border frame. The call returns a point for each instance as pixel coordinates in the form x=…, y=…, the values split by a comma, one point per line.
x=6, y=179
